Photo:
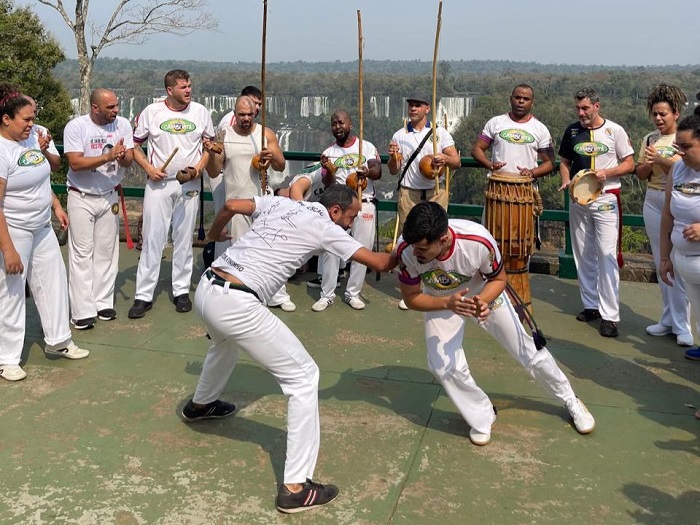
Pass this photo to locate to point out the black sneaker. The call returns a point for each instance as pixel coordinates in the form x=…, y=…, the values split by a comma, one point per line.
x=83, y=324
x=108, y=314
x=608, y=328
x=314, y=283
x=311, y=495
x=183, y=303
x=214, y=410
x=588, y=315
x=139, y=309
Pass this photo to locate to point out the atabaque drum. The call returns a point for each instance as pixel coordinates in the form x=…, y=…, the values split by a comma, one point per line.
x=509, y=217
x=585, y=187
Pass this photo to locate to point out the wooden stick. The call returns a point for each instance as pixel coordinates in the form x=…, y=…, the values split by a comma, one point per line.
x=165, y=164
x=263, y=108
x=396, y=228
x=433, y=124
x=447, y=170
x=361, y=107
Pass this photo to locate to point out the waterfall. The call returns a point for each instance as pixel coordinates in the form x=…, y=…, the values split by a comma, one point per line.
x=279, y=178
x=379, y=105
x=455, y=108
x=314, y=106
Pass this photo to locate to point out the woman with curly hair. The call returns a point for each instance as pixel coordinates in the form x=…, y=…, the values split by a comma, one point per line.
x=29, y=250
x=656, y=158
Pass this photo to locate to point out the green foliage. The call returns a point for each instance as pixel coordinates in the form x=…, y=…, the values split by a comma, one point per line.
x=635, y=240
x=28, y=55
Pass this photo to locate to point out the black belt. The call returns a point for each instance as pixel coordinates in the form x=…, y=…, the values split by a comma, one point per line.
x=373, y=200
x=71, y=188
x=218, y=281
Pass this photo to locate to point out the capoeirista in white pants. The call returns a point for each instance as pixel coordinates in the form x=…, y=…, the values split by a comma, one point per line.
x=46, y=273
x=675, y=310
x=93, y=252
x=236, y=320
x=444, y=334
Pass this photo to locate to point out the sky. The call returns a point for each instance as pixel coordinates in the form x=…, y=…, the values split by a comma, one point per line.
x=611, y=33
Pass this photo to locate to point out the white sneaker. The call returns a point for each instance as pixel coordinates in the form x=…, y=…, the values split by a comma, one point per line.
x=72, y=351
x=321, y=304
x=684, y=340
x=583, y=420
x=355, y=302
x=659, y=329
x=481, y=438
x=402, y=305
x=12, y=372
x=288, y=306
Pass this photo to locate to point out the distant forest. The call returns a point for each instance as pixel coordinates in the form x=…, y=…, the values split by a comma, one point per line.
x=623, y=92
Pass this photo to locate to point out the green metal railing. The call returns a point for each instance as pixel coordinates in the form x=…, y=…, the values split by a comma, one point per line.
x=567, y=268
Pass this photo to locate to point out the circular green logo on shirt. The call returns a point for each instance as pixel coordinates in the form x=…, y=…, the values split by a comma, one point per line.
x=666, y=151
x=31, y=157
x=516, y=136
x=178, y=126
x=591, y=149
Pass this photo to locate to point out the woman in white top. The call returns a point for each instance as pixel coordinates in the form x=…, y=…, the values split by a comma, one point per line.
x=656, y=157
x=680, y=223
x=29, y=249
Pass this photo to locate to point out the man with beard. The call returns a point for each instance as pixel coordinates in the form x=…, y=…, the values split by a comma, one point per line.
x=230, y=298
x=406, y=149
x=451, y=269
x=517, y=140
x=175, y=122
x=344, y=156
x=242, y=141
x=99, y=147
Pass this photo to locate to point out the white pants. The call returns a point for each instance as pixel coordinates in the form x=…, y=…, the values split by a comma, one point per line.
x=93, y=252
x=363, y=231
x=675, y=310
x=163, y=202
x=444, y=332
x=237, y=320
x=594, y=236
x=46, y=273
x=687, y=267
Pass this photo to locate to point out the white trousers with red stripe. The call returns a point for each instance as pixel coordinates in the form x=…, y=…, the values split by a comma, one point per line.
x=236, y=320
x=444, y=332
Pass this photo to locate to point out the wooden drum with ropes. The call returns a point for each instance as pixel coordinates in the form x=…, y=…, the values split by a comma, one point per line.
x=511, y=205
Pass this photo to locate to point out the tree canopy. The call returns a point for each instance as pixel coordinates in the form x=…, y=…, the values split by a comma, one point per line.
x=28, y=55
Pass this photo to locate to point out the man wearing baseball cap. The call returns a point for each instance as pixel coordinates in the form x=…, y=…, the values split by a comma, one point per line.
x=406, y=149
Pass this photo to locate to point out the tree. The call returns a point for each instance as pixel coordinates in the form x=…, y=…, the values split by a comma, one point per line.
x=28, y=55
x=132, y=21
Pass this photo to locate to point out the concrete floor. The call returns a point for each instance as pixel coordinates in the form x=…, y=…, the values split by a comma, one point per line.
x=99, y=441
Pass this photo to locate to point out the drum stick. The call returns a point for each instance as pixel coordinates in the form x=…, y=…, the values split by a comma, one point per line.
x=433, y=124
x=361, y=101
x=165, y=164
x=127, y=233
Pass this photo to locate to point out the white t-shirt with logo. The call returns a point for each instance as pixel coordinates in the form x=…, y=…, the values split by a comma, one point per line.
x=408, y=140
x=284, y=235
x=28, y=197
x=166, y=129
x=472, y=258
x=82, y=135
x=515, y=143
x=346, y=160
x=664, y=147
